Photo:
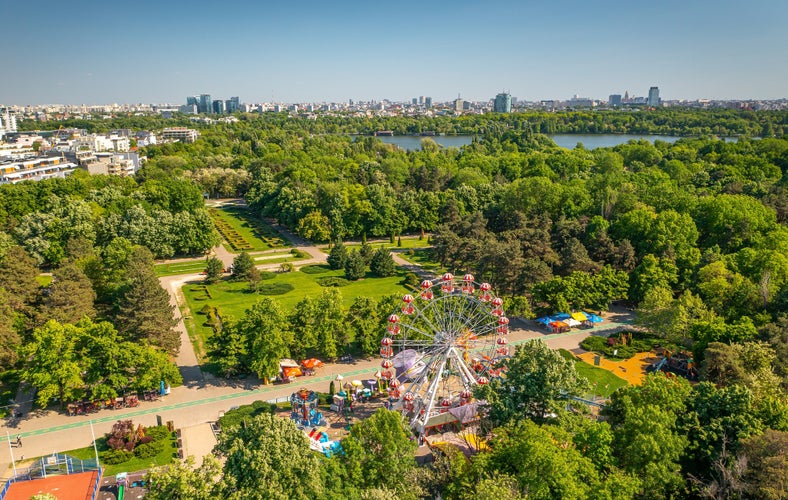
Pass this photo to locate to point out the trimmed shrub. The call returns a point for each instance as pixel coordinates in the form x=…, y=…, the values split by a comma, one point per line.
x=114, y=457
x=335, y=281
x=267, y=275
x=146, y=450
x=315, y=269
x=275, y=289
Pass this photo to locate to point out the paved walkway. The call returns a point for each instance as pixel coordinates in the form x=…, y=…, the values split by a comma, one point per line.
x=198, y=441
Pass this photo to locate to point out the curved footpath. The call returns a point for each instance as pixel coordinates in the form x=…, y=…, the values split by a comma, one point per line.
x=202, y=396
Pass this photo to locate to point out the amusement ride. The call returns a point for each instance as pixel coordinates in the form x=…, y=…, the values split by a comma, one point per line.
x=447, y=338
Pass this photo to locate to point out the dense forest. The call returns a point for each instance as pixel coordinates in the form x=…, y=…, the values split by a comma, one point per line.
x=692, y=234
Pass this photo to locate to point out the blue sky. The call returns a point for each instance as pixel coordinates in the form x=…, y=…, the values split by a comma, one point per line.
x=95, y=52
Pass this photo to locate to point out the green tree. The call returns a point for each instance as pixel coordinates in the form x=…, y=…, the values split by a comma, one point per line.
x=145, y=311
x=182, y=480
x=379, y=452
x=265, y=325
x=9, y=336
x=268, y=457
x=543, y=461
x=538, y=382
x=354, y=266
x=242, y=266
x=767, y=460
x=382, y=263
x=213, y=270
x=229, y=349
x=315, y=227
x=363, y=322
x=337, y=256
x=18, y=277
x=51, y=364
x=330, y=327
x=69, y=298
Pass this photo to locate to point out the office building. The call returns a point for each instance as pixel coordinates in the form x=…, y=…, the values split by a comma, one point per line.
x=502, y=103
x=218, y=107
x=232, y=104
x=428, y=102
x=192, y=100
x=415, y=101
x=614, y=100
x=458, y=104
x=205, y=104
x=653, y=97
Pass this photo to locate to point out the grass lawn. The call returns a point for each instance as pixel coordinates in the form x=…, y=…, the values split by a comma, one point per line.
x=233, y=298
x=422, y=257
x=192, y=267
x=605, y=383
x=242, y=231
x=166, y=456
x=407, y=242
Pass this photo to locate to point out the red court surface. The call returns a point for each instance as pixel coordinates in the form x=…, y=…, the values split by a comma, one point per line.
x=71, y=487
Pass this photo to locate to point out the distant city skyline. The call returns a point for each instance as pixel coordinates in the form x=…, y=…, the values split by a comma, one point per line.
x=93, y=52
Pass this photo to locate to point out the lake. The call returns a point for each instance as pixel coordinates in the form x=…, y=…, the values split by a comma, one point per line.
x=569, y=141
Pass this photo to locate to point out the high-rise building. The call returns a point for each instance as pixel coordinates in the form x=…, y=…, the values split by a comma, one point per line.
x=206, y=104
x=193, y=100
x=232, y=104
x=421, y=100
x=614, y=100
x=218, y=107
x=653, y=97
x=428, y=102
x=503, y=103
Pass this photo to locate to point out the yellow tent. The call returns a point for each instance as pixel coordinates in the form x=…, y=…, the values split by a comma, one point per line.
x=579, y=317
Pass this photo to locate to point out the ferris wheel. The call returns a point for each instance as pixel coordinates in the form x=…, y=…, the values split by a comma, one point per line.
x=448, y=338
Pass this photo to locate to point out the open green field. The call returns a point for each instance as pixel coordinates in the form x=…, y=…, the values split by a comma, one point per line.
x=422, y=257
x=407, y=242
x=604, y=383
x=191, y=267
x=242, y=231
x=234, y=298
x=164, y=457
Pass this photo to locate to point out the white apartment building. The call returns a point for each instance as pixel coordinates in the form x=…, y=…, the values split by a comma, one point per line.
x=181, y=134
x=34, y=170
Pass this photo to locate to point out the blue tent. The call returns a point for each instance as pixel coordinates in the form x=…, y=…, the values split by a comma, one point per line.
x=545, y=320
x=561, y=317
x=593, y=318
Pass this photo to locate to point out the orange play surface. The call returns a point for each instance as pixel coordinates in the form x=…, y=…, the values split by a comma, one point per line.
x=633, y=370
x=71, y=487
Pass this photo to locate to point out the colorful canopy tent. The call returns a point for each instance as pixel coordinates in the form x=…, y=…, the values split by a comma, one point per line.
x=559, y=326
x=561, y=316
x=572, y=322
x=291, y=371
x=288, y=363
x=312, y=363
x=544, y=321
x=579, y=317
x=594, y=318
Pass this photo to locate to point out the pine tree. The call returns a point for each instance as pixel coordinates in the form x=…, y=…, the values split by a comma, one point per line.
x=145, y=312
x=338, y=256
x=242, y=265
x=213, y=270
x=355, y=266
x=382, y=263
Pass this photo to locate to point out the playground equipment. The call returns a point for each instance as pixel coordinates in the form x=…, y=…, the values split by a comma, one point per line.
x=680, y=363
x=319, y=442
x=121, y=480
x=449, y=338
x=304, y=410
